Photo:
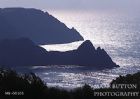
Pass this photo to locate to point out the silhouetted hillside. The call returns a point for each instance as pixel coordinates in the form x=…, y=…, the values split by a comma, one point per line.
x=36, y=25
x=29, y=86
x=128, y=79
x=85, y=55
x=23, y=52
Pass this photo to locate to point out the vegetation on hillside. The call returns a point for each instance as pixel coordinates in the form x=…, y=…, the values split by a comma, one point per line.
x=29, y=86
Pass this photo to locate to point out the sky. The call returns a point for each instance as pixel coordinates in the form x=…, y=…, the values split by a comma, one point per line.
x=126, y=5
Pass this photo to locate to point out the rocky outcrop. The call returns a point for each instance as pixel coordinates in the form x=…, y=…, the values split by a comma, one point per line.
x=23, y=52
x=85, y=55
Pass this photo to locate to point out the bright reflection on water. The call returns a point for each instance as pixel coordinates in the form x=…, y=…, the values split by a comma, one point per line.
x=70, y=77
x=118, y=34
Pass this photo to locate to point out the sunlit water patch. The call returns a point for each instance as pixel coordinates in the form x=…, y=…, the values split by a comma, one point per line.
x=70, y=77
x=118, y=34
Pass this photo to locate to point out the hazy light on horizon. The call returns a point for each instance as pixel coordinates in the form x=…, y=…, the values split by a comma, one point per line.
x=126, y=5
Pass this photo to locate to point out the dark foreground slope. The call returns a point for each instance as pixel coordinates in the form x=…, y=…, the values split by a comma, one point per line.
x=23, y=52
x=36, y=25
x=29, y=86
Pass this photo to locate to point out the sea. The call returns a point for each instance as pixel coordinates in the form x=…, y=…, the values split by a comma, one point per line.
x=118, y=33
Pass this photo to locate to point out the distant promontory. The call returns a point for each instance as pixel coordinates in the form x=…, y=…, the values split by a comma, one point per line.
x=23, y=52
x=40, y=27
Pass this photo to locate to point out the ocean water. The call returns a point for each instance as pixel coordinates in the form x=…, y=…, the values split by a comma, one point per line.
x=117, y=33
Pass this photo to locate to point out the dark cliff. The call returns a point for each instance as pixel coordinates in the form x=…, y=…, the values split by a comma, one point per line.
x=23, y=52
x=41, y=27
